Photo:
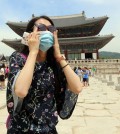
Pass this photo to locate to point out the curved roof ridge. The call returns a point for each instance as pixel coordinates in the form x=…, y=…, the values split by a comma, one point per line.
x=101, y=17
x=105, y=35
x=67, y=16
x=89, y=37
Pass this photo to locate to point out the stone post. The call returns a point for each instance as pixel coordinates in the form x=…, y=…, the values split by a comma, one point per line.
x=104, y=76
x=110, y=77
x=104, y=79
x=119, y=80
x=118, y=85
x=110, y=82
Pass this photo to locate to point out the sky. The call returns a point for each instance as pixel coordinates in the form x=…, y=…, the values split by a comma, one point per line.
x=22, y=10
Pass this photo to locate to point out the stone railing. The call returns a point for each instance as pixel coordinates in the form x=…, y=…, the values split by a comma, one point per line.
x=103, y=65
x=95, y=61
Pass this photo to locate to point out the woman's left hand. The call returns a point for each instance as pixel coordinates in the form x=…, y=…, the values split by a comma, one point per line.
x=56, y=46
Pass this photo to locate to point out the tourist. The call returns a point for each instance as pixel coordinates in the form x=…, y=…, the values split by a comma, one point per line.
x=93, y=71
x=80, y=73
x=2, y=79
x=76, y=70
x=85, y=76
x=37, y=81
x=2, y=76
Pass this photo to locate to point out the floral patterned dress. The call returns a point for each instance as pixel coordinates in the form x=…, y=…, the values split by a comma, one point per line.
x=37, y=112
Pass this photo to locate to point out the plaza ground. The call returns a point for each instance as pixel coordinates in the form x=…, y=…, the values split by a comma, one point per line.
x=97, y=111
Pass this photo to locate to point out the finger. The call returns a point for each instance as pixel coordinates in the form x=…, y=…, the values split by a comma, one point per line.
x=30, y=35
x=55, y=34
x=33, y=34
x=37, y=37
x=35, y=29
x=38, y=33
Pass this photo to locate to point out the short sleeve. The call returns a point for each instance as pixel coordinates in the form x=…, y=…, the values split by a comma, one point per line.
x=16, y=63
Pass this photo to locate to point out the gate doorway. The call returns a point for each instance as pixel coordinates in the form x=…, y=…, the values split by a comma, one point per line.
x=88, y=56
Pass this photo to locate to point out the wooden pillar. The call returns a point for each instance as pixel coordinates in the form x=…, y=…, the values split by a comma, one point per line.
x=97, y=54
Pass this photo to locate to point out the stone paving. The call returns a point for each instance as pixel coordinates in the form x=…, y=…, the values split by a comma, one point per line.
x=97, y=111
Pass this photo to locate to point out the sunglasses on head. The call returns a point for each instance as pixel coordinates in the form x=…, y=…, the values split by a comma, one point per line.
x=42, y=27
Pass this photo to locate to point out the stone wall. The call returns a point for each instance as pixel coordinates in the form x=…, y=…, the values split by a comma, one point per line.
x=107, y=66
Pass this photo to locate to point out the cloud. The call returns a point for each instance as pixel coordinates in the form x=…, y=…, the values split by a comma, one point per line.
x=6, y=33
x=4, y=49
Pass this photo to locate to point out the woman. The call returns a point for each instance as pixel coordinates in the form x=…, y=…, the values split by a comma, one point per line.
x=2, y=76
x=2, y=79
x=38, y=77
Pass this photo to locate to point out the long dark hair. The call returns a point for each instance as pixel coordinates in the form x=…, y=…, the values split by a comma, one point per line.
x=50, y=53
x=29, y=29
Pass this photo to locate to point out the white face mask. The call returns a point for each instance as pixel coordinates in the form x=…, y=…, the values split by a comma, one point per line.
x=46, y=40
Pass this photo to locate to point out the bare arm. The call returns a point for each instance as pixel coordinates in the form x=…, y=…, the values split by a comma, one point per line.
x=73, y=80
x=24, y=79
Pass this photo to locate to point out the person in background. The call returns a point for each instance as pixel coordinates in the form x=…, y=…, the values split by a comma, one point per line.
x=85, y=76
x=2, y=76
x=89, y=74
x=76, y=70
x=80, y=73
x=93, y=71
x=2, y=79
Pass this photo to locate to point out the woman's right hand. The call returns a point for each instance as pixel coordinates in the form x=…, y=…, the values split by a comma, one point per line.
x=33, y=41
